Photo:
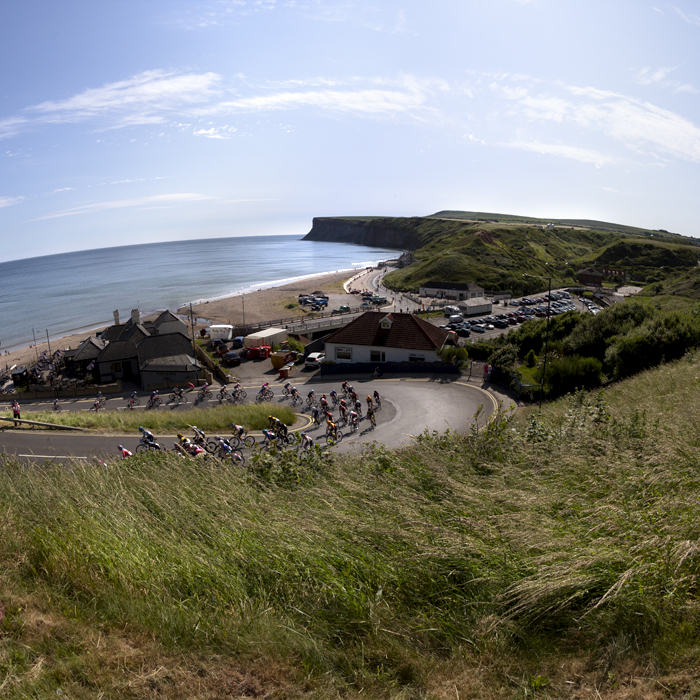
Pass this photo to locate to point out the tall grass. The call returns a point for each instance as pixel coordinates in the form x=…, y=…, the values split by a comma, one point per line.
x=219, y=418
x=534, y=539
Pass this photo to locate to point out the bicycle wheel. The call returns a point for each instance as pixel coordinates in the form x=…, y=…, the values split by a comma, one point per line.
x=183, y=399
x=249, y=441
x=57, y=408
x=269, y=394
x=141, y=448
x=238, y=458
x=334, y=439
x=136, y=400
x=242, y=393
x=211, y=446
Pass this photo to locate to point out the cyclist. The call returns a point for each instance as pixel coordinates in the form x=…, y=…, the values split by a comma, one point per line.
x=288, y=388
x=133, y=395
x=272, y=421
x=358, y=406
x=238, y=430
x=55, y=404
x=370, y=403
x=263, y=389
x=179, y=392
x=343, y=411
x=124, y=451
x=199, y=437
x=205, y=388
x=311, y=396
x=96, y=405
x=147, y=436
x=223, y=445
x=99, y=396
x=154, y=395
x=329, y=415
x=334, y=396
x=344, y=387
x=269, y=436
x=353, y=419
x=343, y=405
x=316, y=415
x=295, y=393
x=377, y=398
x=307, y=441
x=370, y=415
x=324, y=402
x=353, y=395
x=190, y=386
x=331, y=429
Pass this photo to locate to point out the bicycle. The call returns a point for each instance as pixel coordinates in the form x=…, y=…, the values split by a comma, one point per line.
x=57, y=408
x=334, y=438
x=177, y=399
x=149, y=447
x=353, y=426
x=204, y=395
x=102, y=401
x=246, y=441
x=135, y=400
x=372, y=420
x=264, y=396
x=154, y=402
x=311, y=403
x=377, y=403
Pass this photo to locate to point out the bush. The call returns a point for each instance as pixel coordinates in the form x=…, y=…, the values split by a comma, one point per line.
x=530, y=358
x=566, y=374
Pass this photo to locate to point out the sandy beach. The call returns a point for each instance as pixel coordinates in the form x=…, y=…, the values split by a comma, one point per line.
x=268, y=304
x=261, y=305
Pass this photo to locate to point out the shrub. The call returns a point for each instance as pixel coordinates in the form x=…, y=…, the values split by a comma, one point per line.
x=566, y=374
x=530, y=358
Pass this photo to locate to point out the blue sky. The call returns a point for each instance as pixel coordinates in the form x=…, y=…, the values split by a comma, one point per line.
x=132, y=121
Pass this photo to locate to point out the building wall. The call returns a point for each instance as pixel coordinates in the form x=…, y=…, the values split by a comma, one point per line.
x=363, y=353
x=176, y=326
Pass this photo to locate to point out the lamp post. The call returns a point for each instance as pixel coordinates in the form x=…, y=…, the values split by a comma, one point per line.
x=546, y=336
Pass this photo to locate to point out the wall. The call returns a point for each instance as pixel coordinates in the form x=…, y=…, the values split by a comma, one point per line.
x=328, y=368
x=361, y=353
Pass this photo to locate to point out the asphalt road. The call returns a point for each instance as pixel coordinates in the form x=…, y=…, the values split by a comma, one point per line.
x=409, y=406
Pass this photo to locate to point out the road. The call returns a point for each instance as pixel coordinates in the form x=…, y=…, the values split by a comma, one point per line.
x=409, y=406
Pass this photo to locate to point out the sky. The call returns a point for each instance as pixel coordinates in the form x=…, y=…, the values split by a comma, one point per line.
x=135, y=121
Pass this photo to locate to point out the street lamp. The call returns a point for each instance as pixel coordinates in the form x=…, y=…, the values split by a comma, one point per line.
x=546, y=337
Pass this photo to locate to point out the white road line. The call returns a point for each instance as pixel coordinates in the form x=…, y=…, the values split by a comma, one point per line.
x=53, y=456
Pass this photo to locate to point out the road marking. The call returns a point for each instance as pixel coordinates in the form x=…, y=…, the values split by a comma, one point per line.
x=53, y=456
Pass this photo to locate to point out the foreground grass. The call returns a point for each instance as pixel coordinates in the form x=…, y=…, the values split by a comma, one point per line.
x=219, y=418
x=554, y=556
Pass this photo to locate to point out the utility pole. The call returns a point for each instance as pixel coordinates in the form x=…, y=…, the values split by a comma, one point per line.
x=35, y=350
x=47, y=340
x=194, y=346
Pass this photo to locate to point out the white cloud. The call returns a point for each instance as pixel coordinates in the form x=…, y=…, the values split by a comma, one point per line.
x=122, y=182
x=133, y=101
x=9, y=201
x=583, y=155
x=11, y=127
x=61, y=189
x=212, y=133
x=658, y=76
x=641, y=126
x=120, y=204
x=690, y=19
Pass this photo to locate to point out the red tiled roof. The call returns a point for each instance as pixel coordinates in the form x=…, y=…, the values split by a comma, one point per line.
x=407, y=331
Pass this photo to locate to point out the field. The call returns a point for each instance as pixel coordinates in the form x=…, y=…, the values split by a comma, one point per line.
x=546, y=556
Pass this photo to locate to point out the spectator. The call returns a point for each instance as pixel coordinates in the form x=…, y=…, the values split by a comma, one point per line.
x=16, y=412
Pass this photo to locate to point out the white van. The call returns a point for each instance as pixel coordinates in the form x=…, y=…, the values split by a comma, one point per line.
x=449, y=310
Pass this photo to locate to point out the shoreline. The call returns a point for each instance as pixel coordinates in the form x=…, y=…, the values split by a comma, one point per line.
x=260, y=305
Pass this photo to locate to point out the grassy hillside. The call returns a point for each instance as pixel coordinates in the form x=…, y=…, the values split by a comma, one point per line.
x=543, y=557
x=496, y=254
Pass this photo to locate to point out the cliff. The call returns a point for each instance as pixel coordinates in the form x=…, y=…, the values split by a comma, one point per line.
x=380, y=232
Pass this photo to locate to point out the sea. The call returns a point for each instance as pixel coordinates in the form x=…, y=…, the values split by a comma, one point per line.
x=56, y=295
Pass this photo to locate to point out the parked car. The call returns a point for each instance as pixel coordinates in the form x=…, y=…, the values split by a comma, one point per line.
x=232, y=359
x=478, y=328
x=341, y=310
x=315, y=359
x=238, y=342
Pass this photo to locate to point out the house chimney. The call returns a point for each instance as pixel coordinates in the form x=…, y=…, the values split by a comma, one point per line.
x=135, y=316
x=116, y=317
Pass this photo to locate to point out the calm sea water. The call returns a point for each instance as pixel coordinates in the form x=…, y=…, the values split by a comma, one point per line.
x=66, y=293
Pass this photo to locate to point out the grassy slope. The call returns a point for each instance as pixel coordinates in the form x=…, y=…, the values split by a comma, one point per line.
x=497, y=254
x=557, y=557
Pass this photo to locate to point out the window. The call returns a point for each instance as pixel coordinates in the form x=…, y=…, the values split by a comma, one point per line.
x=416, y=358
x=115, y=367
x=377, y=356
x=343, y=353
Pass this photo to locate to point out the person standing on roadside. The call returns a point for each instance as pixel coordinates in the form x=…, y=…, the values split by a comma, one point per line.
x=16, y=411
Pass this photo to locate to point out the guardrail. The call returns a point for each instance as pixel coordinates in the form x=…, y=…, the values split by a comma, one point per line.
x=298, y=319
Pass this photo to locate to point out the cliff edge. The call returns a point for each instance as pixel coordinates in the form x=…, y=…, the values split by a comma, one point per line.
x=379, y=232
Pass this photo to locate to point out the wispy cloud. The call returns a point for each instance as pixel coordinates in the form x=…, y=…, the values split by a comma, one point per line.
x=659, y=76
x=216, y=133
x=640, y=126
x=582, y=155
x=12, y=127
x=690, y=19
x=9, y=201
x=120, y=204
x=142, y=99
